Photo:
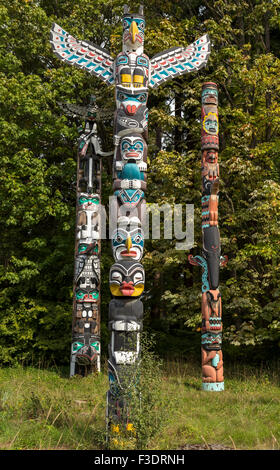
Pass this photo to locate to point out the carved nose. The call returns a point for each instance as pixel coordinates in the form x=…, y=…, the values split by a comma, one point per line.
x=131, y=109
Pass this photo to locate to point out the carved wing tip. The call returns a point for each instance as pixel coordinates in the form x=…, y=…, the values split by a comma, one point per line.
x=55, y=27
x=208, y=42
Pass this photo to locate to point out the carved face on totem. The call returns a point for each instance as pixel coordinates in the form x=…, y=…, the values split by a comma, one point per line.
x=128, y=243
x=209, y=94
x=131, y=102
x=133, y=31
x=211, y=341
x=88, y=202
x=88, y=277
x=132, y=112
x=133, y=148
x=87, y=295
x=85, y=353
x=210, y=123
x=127, y=279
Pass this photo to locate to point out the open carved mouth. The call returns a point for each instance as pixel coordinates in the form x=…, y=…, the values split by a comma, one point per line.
x=89, y=298
x=84, y=359
x=130, y=253
x=132, y=155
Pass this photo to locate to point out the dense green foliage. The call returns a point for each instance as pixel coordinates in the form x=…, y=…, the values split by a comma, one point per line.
x=38, y=171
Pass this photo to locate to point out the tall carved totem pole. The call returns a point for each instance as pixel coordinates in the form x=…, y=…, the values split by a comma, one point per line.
x=211, y=259
x=86, y=349
x=132, y=73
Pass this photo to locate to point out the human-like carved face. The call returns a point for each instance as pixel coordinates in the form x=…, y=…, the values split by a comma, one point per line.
x=132, y=148
x=209, y=95
x=210, y=123
x=127, y=279
x=128, y=243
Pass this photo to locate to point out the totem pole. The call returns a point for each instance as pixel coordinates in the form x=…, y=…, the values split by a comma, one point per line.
x=211, y=259
x=85, y=351
x=132, y=73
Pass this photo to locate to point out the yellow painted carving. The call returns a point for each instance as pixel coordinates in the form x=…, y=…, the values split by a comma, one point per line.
x=128, y=243
x=133, y=30
x=115, y=290
x=138, y=79
x=212, y=116
x=126, y=78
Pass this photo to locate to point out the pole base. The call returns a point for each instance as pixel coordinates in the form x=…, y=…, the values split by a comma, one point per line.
x=213, y=387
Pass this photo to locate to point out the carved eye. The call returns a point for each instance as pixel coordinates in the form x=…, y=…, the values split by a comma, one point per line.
x=82, y=247
x=125, y=24
x=121, y=96
x=141, y=25
x=76, y=346
x=125, y=146
x=80, y=294
x=142, y=98
x=137, y=238
x=119, y=238
x=116, y=277
x=138, y=146
x=138, y=277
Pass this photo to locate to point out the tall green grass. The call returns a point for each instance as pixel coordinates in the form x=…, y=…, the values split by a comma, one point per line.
x=44, y=409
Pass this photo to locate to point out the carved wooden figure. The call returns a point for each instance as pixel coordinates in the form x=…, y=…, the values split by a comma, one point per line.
x=211, y=260
x=85, y=350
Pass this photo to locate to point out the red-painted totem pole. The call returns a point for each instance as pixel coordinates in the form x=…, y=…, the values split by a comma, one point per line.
x=211, y=259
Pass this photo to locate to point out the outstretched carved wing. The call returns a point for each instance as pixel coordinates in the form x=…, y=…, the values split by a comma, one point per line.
x=73, y=109
x=177, y=61
x=83, y=54
x=86, y=112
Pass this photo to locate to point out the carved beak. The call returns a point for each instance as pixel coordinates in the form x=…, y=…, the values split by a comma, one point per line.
x=128, y=243
x=133, y=30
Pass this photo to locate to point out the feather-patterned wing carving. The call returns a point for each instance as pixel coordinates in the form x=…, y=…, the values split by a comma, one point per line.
x=86, y=112
x=83, y=54
x=80, y=262
x=178, y=60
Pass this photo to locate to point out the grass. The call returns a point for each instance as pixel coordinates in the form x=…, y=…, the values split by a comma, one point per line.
x=44, y=409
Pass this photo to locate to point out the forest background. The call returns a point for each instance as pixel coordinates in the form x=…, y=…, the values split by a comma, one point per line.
x=38, y=147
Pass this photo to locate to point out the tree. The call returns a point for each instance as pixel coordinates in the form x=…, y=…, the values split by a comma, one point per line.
x=38, y=170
